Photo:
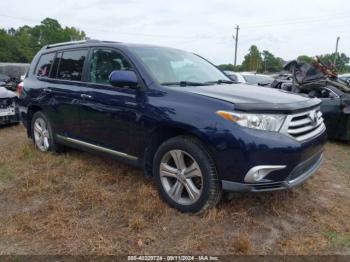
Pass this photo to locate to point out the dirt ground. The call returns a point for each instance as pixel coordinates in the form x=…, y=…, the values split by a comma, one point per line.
x=77, y=203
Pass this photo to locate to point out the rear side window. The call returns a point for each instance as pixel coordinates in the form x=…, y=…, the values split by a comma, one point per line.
x=44, y=65
x=71, y=65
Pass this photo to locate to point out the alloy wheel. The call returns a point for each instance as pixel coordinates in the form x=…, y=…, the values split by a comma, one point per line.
x=41, y=134
x=181, y=177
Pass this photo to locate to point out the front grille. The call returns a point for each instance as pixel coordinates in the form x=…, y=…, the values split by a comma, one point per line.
x=304, y=125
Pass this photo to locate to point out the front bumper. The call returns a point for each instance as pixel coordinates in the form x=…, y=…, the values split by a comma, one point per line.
x=9, y=118
x=299, y=174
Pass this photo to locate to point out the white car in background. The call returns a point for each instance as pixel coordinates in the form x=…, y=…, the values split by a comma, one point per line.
x=345, y=77
x=250, y=78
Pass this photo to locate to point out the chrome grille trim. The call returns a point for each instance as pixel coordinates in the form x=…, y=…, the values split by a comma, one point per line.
x=305, y=125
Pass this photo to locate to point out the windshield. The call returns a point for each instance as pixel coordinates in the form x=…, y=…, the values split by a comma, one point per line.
x=257, y=79
x=169, y=66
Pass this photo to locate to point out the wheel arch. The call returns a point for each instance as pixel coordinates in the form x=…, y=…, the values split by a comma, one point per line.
x=32, y=109
x=163, y=133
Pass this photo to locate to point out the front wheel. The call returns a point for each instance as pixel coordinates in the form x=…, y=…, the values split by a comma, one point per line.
x=185, y=175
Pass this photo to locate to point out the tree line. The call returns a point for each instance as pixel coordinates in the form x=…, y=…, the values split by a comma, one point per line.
x=266, y=62
x=21, y=44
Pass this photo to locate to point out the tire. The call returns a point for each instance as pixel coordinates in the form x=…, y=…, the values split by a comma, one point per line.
x=185, y=175
x=43, y=135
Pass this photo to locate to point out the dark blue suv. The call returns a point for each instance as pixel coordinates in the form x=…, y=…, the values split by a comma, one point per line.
x=175, y=115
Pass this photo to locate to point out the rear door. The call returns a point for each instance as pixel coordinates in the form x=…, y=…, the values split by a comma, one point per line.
x=108, y=113
x=65, y=88
x=40, y=83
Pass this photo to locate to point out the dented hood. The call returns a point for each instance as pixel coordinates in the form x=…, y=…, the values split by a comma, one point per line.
x=303, y=72
x=315, y=75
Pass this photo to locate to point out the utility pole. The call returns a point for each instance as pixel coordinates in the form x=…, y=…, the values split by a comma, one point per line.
x=336, y=51
x=236, y=43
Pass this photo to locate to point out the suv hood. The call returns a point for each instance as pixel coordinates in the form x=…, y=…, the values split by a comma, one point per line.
x=4, y=93
x=256, y=98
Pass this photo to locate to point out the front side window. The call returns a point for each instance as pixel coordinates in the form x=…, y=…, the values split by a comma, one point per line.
x=103, y=62
x=71, y=65
x=171, y=65
x=44, y=65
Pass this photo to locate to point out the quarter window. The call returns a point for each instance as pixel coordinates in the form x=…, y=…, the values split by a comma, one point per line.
x=71, y=65
x=103, y=62
x=44, y=65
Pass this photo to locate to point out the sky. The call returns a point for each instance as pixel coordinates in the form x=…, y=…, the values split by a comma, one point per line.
x=285, y=28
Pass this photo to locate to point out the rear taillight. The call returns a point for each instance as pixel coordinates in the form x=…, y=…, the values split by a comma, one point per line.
x=20, y=88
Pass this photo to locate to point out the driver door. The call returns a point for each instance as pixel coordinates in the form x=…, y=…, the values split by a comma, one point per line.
x=107, y=112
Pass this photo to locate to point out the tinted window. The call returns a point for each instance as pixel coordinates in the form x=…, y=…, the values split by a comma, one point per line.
x=71, y=65
x=103, y=62
x=44, y=65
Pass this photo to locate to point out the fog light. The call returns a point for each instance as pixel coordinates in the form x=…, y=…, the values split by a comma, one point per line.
x=258, y=173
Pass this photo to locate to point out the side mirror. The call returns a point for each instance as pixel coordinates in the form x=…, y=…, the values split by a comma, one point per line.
x=123, y=79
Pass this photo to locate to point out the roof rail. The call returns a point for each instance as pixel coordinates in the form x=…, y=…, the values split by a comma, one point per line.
x=70, y=43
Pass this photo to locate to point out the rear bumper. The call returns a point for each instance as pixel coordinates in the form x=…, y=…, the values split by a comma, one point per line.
x=299, y=174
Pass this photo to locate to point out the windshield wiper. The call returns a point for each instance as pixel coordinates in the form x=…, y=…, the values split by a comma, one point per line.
x=220, y=81
x=184, y=83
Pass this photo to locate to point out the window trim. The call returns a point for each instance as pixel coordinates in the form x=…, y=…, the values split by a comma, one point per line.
x=59, y=62
x=82, y=80
x=37, y=64
x=134, y=67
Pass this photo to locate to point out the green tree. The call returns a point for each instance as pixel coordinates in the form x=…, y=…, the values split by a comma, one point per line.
x=341, y=62
x=306, y=59
x=253, y=60
x=229, y=67
x=20, y=45
x=271, y=63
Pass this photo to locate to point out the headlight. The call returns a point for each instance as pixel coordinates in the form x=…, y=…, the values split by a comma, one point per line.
x=267, y=122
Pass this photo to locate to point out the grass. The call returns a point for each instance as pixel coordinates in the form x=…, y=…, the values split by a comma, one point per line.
x=77, y=203
x=338, y=239
x=5, y=174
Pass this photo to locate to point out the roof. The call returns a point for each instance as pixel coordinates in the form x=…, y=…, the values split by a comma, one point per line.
x=94, y=42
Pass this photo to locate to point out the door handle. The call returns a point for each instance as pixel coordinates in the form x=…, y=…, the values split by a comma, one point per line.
x=85, y=96
x=47, y=90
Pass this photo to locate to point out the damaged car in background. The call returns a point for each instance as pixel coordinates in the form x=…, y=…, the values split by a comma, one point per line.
x=249, y=78
x=318, y=80
x=345, y=78
x=9, y=82
x=9, y=113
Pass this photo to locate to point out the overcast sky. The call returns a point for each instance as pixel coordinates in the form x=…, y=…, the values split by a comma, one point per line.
x=286, y=28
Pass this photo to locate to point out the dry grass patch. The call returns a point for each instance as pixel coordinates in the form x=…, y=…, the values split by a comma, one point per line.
x=77, y=203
